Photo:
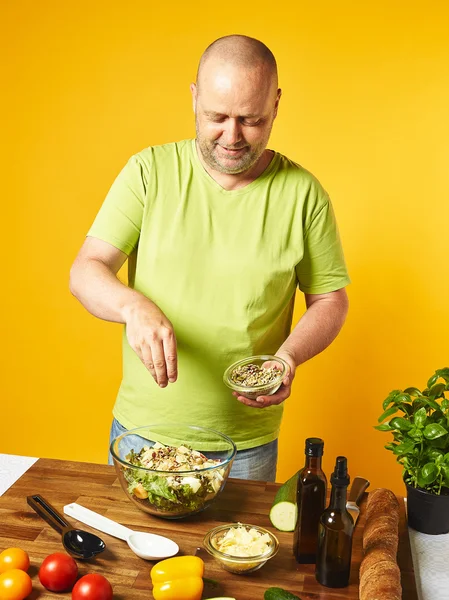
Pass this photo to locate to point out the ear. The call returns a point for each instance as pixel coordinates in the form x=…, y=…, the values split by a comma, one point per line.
x=276, y=104
x=194, y=92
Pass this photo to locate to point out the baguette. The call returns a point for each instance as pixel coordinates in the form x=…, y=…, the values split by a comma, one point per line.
x=380, y=577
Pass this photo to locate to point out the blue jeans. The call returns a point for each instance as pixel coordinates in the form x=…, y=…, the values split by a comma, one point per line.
x=257, y=463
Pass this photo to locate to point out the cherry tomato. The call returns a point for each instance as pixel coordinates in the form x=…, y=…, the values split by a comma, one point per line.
x=15, y=585
x=92, y=587
x=58, y=572
x=14, y=558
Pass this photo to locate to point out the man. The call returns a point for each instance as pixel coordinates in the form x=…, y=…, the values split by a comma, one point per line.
x=219, y=231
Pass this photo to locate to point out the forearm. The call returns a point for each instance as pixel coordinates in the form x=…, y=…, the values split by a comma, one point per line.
x=317, y=328
x=101, y=292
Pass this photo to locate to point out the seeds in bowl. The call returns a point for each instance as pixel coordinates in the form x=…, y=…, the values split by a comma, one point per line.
x=251, y=375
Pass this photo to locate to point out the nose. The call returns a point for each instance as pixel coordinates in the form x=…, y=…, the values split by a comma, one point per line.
x=232, y=133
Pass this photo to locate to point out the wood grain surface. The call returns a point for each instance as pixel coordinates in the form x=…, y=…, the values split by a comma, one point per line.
x=97, y=487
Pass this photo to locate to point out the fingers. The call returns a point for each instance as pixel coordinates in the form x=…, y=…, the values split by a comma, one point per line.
x=156, y=348
x=171, y=357
x=263, y=401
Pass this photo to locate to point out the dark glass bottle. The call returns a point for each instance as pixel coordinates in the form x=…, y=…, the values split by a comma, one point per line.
x=311, y=501
x=335, y=533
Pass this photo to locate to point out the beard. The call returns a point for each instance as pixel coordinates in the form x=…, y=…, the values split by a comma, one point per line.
x=229, y=164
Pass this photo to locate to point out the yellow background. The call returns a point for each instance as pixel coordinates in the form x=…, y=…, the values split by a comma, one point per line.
x=365, y=107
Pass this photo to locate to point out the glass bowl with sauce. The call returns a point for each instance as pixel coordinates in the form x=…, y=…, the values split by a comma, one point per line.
x=241, y=548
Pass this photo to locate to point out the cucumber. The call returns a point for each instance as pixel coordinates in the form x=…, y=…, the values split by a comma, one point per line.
x=275, y=593
x=284, y=511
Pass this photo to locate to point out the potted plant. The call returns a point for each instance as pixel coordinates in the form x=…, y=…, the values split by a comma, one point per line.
x=419, y=422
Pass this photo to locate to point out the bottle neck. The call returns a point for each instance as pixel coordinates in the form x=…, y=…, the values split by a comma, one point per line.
x=338, y=498
x=313, y=463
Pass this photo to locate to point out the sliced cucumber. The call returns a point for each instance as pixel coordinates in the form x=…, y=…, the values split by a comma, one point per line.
x=284, y=510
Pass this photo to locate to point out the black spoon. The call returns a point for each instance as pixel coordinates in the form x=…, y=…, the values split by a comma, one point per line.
x=78, y=543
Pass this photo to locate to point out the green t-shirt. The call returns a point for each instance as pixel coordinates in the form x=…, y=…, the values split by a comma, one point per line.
x=223, y=266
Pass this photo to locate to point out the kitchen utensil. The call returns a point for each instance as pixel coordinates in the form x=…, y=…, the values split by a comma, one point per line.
x=146, y=545
x=356, y=492
x=78, y=543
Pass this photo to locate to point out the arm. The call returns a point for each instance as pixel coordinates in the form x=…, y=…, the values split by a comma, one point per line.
x=94, y=282
x=317, y=328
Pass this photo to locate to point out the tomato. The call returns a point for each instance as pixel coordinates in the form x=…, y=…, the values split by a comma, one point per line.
x=92, y=587
x=15, y=585
x=58, y=572
x=14, y=558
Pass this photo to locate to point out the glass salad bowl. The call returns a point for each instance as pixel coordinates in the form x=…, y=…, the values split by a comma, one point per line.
x=172, y=470
x=241, y=548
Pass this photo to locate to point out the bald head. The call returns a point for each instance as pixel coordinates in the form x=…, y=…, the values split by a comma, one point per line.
x=235, y=100
x=242, y=52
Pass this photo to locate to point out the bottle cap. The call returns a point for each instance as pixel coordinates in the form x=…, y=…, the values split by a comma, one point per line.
x=340, y=476
x=314, y=446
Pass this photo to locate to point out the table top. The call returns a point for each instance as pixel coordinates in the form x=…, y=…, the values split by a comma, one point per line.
x=429, y=552
x=97, y=487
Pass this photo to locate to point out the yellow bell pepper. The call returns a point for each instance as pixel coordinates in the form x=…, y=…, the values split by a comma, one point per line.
x=178, y=578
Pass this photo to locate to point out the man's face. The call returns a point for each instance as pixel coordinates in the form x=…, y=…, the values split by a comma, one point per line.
x=234, y=113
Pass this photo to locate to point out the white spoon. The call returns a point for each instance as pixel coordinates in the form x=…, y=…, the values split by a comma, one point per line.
x=146, y=545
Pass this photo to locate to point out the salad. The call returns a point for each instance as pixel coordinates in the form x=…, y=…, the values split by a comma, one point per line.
x=177, y=488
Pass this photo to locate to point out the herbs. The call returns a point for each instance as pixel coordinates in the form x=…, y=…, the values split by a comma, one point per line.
x=421, y=433
x=251, y=375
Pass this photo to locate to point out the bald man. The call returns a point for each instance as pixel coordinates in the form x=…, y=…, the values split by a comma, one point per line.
x=219, y=232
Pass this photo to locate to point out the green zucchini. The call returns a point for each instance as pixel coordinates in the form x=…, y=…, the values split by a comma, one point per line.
x=275, y=593
x=284, y=510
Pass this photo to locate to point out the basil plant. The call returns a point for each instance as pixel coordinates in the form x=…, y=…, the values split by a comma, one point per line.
x=419, y=422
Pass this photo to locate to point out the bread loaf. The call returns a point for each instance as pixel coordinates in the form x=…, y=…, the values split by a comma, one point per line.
x=380, y=577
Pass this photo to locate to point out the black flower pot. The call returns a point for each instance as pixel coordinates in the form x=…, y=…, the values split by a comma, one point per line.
x=428, y=513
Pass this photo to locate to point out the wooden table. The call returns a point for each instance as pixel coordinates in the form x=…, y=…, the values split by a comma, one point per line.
x=97, y=487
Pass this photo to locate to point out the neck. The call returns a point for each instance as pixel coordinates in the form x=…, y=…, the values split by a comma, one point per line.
x=313, y=462
x=234, y=181
x=338, y=498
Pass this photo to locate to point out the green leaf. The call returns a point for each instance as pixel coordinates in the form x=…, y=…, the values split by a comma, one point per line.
x=445, y=471
x=413, y=391
x=390, y=446
x=383, y=427
x=404, y=448
x=415, y=433
x=400, y=423
x=432, y=381
x=444, y=373
x=445, y=404
x=431, y=402
x=387, y=413
x=433, y=431
x=390, y=398
x=446, y=457
x=420, y=417
x=434, y=454
x=436, y=390
x=428, y=474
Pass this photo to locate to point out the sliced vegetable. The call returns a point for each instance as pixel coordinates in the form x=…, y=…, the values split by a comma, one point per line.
x=275, y=593
x=284, y=510
x=178, y=578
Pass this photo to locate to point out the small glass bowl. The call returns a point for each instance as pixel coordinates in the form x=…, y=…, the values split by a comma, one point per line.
x=263, y=389
x=241, y=565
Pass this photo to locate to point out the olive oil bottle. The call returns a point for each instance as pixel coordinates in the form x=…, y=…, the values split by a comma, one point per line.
x=311, y=501
x=335, y=533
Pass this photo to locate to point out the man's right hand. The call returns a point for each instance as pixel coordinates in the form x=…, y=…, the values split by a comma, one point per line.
x=150, y=334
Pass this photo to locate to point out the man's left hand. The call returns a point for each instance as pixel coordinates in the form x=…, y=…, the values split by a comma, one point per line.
x=283, y=392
